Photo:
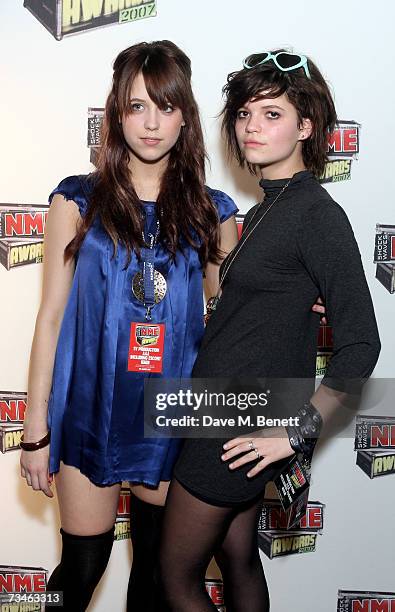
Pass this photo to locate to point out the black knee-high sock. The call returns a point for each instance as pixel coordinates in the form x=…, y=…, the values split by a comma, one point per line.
x=84, y=559
x=144, y=584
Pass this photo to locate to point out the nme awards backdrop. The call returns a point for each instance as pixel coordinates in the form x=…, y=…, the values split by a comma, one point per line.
x=54, y=88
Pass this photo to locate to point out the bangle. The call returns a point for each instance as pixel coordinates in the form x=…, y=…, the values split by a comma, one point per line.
x=303, y=438
x=32, y=446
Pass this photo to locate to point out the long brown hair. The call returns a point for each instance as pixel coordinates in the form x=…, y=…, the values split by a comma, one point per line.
x=184, y=207
x=311, y=98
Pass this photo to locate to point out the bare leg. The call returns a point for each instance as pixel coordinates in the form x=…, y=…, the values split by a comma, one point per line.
x=157, y=497
x=87, y=515
x=85, y=509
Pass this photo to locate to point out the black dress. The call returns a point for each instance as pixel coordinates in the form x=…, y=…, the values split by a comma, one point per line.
x=264, y=326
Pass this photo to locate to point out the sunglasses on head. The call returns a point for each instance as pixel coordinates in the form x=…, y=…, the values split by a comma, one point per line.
x=283, y=60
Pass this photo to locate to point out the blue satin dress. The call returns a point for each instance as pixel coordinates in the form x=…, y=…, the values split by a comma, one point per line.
x=96, y=406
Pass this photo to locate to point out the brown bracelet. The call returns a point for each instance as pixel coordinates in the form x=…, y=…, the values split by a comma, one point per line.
x=32, y=446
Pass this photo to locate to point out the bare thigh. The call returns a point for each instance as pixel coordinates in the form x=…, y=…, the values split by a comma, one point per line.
x=85, y=508
x=149, y=495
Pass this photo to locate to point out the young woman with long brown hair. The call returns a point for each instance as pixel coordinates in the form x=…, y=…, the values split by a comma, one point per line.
x=296, y=244
x=122, y=300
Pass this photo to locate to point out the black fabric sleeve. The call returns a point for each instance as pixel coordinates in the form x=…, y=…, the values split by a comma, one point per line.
x=329, y=251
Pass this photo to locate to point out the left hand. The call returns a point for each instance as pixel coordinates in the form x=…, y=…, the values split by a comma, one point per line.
x=270, y=449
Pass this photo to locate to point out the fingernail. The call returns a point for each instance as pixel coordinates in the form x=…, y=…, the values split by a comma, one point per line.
x=249, y=475
x=231, y=466
x=225, y=446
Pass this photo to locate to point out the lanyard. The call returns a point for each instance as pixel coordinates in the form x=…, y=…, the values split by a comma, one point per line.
x=148, y=258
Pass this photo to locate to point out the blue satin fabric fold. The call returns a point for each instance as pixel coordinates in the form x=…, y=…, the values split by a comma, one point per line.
x=96, y=405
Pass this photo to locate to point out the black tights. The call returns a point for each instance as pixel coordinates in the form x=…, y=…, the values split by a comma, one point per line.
x=194, y=531
x=84, y=559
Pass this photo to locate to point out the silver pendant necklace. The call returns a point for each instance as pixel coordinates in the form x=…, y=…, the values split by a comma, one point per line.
x=155, y=277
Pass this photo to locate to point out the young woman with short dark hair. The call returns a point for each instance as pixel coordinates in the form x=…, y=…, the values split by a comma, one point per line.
x=296, y=245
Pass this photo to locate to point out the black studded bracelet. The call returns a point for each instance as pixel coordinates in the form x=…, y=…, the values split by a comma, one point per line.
x=303, y=437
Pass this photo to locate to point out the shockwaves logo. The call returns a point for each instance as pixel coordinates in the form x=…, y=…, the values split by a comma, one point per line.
x=95, y=122
x=375, y=445
x=21, y=234
x=343, y=148
x=12, y=414
x=122, y=522
x=274, y=538
x=17, y=583
x=384, y=255
x=64, y=17
x=365, y=601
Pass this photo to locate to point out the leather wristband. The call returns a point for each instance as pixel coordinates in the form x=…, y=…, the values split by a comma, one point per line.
x=303, y=437
x=32, y=446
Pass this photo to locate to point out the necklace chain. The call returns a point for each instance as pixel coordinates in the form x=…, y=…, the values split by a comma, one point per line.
x=247, y=234
x=153, y=238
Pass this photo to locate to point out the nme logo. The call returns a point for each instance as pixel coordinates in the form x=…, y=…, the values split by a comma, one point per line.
x=311, y=520
x=375, y=433
x=22, y=581
x=215, y=589
x=383, y=436
x=274, y=518
x=344, y=141
x=12, y=410
x=24, y=224
x=373, y=605
x=365, y=601
x=325, y=337
x=239, y=223
x=124, y=503
x=19, y=221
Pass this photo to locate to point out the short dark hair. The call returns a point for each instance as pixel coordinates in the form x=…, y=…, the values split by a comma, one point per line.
x=311, y=98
